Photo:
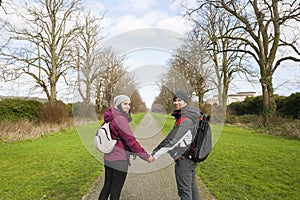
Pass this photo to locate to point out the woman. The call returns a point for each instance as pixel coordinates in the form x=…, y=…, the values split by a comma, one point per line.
x=116, y=162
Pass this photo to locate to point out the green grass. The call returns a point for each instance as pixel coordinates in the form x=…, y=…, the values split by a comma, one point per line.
x=242, y=165
x=247, y=165
x=56, y=166
x=136, y=119
x=165, y=121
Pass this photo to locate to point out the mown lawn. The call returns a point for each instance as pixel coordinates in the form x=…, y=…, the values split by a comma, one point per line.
x=247, y=165
x=56, y=166
x=165, y=121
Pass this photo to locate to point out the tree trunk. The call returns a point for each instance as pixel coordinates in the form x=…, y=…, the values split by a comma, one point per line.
x=53, y=95
x=200, y=100
x=269, y=105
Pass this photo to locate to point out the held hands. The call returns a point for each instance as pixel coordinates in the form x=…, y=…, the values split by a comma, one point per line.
x=151, y=159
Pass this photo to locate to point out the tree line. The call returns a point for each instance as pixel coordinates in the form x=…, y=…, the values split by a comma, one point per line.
x=59, y=41
x=287, y=107
x=251, y=37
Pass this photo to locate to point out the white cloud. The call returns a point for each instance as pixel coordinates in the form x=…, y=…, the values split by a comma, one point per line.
x=175, y=23
x=153, y=19
x=138, y=6
x=126, y=23
x=126, y=15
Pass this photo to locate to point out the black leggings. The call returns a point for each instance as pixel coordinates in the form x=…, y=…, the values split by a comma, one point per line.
x=115, y=175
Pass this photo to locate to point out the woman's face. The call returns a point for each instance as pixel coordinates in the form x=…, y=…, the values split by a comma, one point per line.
x=126, y=106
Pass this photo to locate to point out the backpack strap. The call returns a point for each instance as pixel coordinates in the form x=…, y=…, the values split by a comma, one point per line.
x=126, y=147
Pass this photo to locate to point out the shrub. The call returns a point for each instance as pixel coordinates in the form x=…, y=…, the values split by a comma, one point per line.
x=251, y=105
x=290, y=106
x=16, y=131
x=83, y=112
x=70, y=109
x=206, y=109
x=283, y=126
x=18, y=109
x=245, y=119
x=56, y=112
x=285, y=106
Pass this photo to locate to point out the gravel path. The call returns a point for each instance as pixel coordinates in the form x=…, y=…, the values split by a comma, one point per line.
x=148, y=181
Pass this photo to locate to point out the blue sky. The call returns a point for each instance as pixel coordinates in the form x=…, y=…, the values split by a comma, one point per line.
x=122, y=18
x=127, y=16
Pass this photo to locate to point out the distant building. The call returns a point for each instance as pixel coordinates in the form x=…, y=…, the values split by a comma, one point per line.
x=240, y=96
x=42, y=100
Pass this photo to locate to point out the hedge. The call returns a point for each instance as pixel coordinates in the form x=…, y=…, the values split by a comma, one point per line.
x=18, y=109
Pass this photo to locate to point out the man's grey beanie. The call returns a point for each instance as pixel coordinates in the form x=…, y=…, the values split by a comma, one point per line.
x=181, y=95
x=120, y=98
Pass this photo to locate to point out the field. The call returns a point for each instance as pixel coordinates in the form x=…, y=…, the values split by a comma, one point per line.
x=247, y=165
x=56, y=166
x=59, y=165
x=242, y=165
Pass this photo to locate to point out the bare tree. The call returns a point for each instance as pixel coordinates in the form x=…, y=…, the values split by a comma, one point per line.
x=261, y=36
x=1, y=6
x=215, y=25
x=137, y=104
x=87, y=57
x=113, y=71
x=129, y=87
x=164, y=101
x=193, y=62
x=40, y=46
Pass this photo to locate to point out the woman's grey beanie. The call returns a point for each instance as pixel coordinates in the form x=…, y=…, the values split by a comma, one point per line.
x=120, y=98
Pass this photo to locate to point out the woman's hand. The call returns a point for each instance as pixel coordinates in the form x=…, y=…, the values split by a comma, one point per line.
x=151, y=159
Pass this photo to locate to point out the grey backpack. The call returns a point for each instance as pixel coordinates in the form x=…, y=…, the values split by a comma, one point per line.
x=202, y=143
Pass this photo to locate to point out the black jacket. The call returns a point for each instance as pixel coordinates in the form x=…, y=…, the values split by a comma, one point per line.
x=180, y=137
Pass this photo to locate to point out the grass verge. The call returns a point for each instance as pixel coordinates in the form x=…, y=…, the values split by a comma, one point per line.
x=246, y=165
x=136, y=119
x=56, y=166
x=53, y=166
x=23, y=130
x=165, y=121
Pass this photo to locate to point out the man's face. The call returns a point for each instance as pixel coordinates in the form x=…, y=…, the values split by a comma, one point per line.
x=179, y=104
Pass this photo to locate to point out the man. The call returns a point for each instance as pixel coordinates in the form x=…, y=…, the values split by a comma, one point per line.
x=177, y=143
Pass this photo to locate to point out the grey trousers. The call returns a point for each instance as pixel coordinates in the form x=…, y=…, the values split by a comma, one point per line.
x=185, y=172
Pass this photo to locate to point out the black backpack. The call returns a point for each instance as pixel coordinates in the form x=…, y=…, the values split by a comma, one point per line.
x=202, y=143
